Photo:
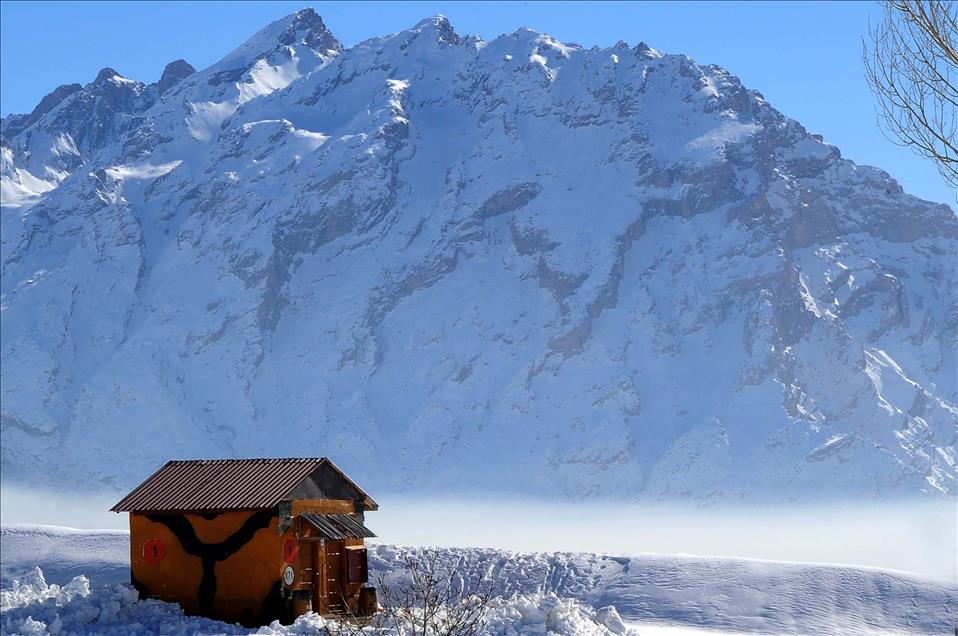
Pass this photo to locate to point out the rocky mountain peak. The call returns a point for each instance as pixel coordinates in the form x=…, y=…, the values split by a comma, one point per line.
x=304, y=28
x=106, y=73
x=53, y=98
x=174, y=72
x=645, y=50
x=440, y=28
x=14, y=124
x=307, y=26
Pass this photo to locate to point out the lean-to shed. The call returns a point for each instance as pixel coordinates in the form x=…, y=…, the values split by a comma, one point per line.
x=251, y=540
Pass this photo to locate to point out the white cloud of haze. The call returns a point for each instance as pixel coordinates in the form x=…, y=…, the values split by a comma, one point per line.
x=58, y=508
x=920, y=537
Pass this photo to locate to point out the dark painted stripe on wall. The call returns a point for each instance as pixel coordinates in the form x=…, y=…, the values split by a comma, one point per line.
x=210, y=553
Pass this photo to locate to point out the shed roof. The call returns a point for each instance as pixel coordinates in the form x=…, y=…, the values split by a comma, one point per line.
x=235, y=484
x=338, y=526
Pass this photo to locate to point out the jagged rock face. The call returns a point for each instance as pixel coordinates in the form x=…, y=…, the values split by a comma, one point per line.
x=15, y=124
x=455, y=265
x=174, y=72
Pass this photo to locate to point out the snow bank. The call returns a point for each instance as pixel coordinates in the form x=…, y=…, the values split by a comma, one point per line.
x=33, y=606
x=537, y=592
x=103, y=556
x=735, y=595
x=549, y=614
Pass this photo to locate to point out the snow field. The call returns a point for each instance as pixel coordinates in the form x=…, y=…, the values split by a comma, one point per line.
x=34, y=606
x=545, y=593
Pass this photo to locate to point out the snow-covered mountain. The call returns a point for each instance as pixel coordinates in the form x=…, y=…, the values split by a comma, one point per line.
x=456, y=265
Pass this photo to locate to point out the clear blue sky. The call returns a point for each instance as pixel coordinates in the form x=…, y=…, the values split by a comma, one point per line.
x=804, y=57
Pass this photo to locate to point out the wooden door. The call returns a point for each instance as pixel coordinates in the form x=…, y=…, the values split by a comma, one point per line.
x=320, y=596
x=306, y=558
x=335, y=577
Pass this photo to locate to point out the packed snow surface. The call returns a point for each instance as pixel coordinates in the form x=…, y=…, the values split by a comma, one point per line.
x=32, y=606
x=559, y=593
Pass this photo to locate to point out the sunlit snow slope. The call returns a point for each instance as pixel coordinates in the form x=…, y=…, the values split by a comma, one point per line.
x=562, y=592
x=453, y=264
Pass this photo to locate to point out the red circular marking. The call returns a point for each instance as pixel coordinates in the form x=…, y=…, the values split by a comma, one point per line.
x=154, y=550
x=290, y=551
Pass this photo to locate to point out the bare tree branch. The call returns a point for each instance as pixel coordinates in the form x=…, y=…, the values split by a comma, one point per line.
x=911, y=62
x=437, y=600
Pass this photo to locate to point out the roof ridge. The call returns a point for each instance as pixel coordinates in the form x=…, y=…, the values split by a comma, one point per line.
x=248, y=459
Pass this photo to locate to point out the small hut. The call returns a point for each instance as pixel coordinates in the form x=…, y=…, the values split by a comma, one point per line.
x=251, y=540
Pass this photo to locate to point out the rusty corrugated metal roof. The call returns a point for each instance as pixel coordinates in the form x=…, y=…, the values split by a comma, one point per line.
x=338, y=526
x=224, y=484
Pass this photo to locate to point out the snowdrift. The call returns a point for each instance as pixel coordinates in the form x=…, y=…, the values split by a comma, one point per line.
x=560, y=593
x=34, y=606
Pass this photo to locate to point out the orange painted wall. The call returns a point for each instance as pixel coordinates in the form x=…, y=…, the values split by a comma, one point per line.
x=244, y=580
x=176, y=578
